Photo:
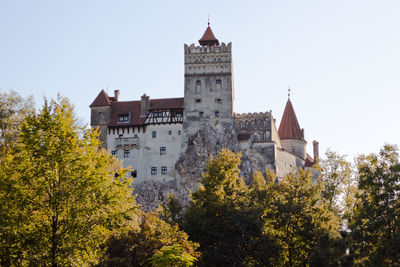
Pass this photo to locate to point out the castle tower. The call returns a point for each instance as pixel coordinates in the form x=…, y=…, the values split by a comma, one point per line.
x=208, y=92
x=100, y=111
x=292, y=137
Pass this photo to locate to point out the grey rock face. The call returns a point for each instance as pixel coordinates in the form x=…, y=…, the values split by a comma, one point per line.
x=192, y=162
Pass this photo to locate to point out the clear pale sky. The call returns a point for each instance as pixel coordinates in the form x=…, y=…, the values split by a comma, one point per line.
x=341, y=58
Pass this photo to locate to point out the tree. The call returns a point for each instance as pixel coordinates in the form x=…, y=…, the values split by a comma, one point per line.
x=59, y=194
x=13, y=110
x=297, y=216
x=173, y=256
x=222, y=218
x=339, y=183
x=375, y=223
x=173, y=210
x=137, y=245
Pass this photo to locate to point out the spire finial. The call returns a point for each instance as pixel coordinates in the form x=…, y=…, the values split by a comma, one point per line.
x=288, y=92
x=208, y=20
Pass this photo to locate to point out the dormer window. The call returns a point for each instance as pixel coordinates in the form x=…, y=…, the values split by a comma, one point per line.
x=123, y=118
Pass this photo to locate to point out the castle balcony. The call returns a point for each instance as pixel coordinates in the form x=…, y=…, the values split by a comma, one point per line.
x=126, y=141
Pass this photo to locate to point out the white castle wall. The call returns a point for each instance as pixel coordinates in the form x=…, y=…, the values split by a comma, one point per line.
x=146, y=154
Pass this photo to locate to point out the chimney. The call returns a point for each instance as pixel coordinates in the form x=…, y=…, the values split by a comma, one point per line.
x=144, y=105
x=116, y=95
x=302, y=132
x=316, y=150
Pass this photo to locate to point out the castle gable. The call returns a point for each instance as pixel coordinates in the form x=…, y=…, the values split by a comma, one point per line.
x=101, y=100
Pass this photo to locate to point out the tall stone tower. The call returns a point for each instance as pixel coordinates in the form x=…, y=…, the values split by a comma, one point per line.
x=100, y=113
x=209, y=91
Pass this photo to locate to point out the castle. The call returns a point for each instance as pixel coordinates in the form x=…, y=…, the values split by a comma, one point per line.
x=168, y=141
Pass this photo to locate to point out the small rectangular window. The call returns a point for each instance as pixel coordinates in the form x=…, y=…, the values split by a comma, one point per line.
x=216, y=114
x=154, y=134
x=113, y=152
x=135, y=136
x=163, y=150
x=158, y=114
x=176, y=113
x=179, y=132
x=218, y=81
x=153, y=170
x=163, y=170
x=218, y=100
x=201, y=114
x=198, y=101
x=123, y=118
x=134, y=173
x=127, y=153
x=198, y=82
x=169, y=132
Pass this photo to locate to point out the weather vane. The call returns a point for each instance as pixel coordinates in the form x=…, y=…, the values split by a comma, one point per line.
x=288, y=92
x=208, y=19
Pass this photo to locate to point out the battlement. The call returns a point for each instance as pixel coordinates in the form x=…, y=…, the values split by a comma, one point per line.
x=223, y=48
x=252, y=116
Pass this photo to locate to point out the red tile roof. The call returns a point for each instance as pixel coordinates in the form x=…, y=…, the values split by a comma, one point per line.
x=101, y=100
x=289, y=127
x=309, y=161
x=133, y=109
x=208, y=38
x=166, y=103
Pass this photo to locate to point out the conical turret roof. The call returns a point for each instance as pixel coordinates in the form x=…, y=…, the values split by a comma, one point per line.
x=102, y=99
x=289, y=127
x=208, y=37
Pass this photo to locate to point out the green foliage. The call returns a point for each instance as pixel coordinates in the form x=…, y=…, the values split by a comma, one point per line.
x=297, y=215
x=339, y=183
x=137, y=245
x=58, y=193
x=173, y=256
x=13, y=110
x=173, y=210
x=331, y=251
x=223, y=220
x=375, y=223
